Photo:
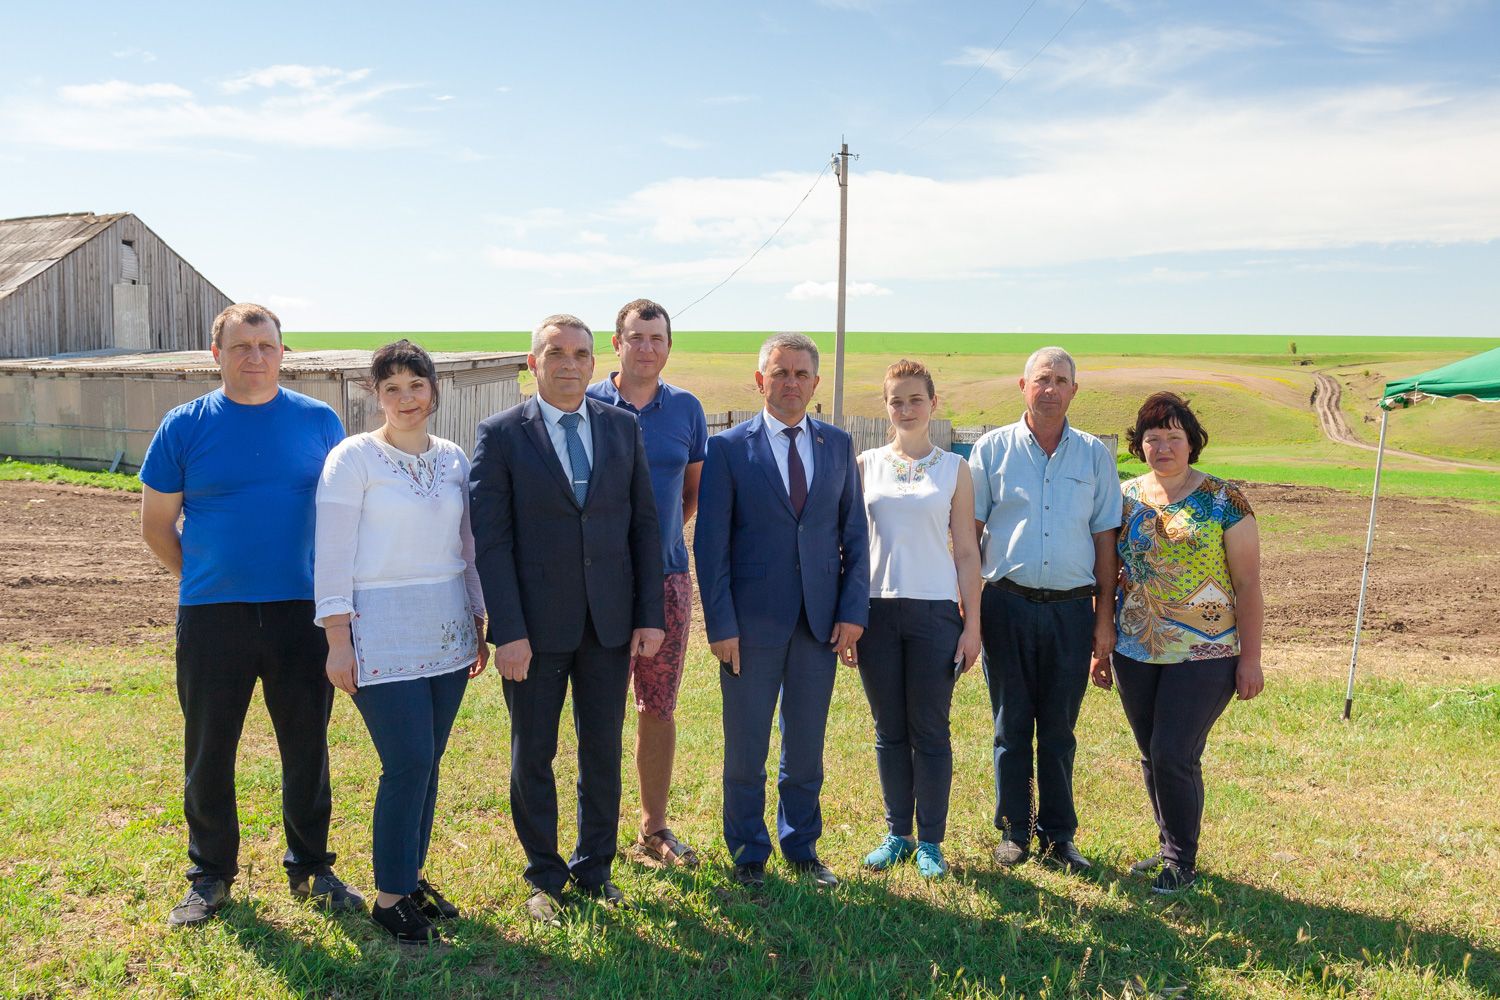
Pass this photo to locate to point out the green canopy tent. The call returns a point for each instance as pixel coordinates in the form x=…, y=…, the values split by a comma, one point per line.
x=1476, y=378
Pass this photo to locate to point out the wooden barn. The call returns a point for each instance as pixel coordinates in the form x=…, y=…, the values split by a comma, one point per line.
x=100, y=411
x=85, y=282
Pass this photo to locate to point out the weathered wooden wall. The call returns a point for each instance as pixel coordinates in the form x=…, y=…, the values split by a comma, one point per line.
x=69, y=307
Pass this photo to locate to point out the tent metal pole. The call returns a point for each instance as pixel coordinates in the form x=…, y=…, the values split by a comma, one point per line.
x=1364, y=579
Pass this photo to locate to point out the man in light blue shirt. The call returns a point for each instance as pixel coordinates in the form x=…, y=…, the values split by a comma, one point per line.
x=1047, y=509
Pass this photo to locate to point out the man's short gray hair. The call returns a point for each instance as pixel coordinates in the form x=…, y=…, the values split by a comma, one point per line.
x=559, y=320
x=1051, y=356
x=787, y=342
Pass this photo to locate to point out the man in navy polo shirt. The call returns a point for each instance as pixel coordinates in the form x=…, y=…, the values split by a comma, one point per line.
x=676, y=434
x=240, y=467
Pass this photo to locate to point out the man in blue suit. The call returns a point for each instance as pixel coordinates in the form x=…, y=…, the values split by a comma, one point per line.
x=784, y=573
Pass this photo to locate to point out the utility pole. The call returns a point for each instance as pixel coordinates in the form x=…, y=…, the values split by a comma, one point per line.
x=841, y=171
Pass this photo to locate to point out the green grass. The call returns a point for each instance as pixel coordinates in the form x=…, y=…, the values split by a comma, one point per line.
x=930, y=344
x=11, y=470
x=1342, y=860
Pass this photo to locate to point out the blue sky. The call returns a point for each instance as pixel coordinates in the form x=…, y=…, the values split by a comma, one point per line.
x=1306, y=166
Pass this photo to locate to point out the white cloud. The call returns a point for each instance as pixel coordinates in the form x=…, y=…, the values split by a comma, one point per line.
x=502, y=90
x=307, y=106
x=135, y=54
x=280, y=302
x=678, y=141
x=592, y=238
x=829, y=290
x=725, y=100
x=557, y=262
x=1376, y=24
x=444, y=97
x=114, y=92
x=296, y=77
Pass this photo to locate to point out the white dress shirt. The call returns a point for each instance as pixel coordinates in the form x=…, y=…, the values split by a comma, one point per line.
x=780, y=444
x=551, y=415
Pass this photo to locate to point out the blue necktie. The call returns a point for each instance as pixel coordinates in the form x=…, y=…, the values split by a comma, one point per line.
x=577, y=458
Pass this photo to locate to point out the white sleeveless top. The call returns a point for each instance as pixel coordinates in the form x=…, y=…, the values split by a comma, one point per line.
x=908, y=505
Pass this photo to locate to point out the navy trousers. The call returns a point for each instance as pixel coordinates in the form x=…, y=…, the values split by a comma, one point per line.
x=906, y=667
x=600, y=676
x=1036, y=660
x=222, y=649
x=409, y=722
x=1171, y=707
x=800, y=673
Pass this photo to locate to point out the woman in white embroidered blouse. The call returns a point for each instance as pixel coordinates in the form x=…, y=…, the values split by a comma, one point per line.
x=397, y=592
x=920, y=638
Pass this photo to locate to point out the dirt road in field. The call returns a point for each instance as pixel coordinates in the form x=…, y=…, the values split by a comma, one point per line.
x=1327, y=397
x=73, y=569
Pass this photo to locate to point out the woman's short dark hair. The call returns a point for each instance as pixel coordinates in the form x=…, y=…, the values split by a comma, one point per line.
x=403, y=355
x=1166, y=409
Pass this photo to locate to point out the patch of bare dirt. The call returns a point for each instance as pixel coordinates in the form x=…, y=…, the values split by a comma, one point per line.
x=73, y=568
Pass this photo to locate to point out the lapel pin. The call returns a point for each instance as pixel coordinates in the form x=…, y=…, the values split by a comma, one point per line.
x=819, y=439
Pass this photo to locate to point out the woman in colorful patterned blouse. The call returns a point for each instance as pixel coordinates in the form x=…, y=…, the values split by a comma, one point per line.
x=1188, y=622
x=919, y=500
x=397, y=592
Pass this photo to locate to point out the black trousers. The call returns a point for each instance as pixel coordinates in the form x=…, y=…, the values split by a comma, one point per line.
x=1036, y=660
x=600, y=676
x=1170, y=708
x=221, y=650
x=906, y=666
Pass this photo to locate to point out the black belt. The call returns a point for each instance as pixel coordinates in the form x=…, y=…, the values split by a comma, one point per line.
x=1040, y=596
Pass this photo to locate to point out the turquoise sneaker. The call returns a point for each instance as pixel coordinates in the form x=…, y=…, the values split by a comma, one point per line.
x=892, y=851
x=930, y=863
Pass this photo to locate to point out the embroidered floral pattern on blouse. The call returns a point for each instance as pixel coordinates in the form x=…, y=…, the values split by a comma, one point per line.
x=423, y=473
x=908, y=472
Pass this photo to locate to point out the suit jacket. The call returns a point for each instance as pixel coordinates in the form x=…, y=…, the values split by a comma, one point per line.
x=759, y=565
x=544, y=561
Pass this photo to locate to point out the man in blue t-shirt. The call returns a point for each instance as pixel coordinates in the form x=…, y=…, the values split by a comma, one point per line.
x=240, y=467
x=676, y=435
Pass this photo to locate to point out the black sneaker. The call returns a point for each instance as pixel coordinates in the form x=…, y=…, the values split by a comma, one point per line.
x=1171, y=880
x=407, y=924
x=1009, y=853
x=326, y=891
x=751, y=875
x=206, y=897
x=431, y=902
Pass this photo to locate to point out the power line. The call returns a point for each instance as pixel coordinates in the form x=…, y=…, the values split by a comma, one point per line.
x=758, y=249
x=977, y=70
x=1017, y=73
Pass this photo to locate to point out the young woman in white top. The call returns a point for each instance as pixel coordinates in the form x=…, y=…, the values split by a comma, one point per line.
x=924, y=616
x=397, y=592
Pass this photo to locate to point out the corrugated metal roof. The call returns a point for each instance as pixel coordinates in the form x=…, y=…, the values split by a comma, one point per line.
x=28, y=246
x=348, y=363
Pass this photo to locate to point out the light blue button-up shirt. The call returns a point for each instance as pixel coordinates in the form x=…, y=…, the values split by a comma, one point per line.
x=1040, y=514
x=552, y=416
x=781, y=447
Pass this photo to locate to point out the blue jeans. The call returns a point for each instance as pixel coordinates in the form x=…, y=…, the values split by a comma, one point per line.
x=409, y=722
x=906, y=666
x=1036, y=660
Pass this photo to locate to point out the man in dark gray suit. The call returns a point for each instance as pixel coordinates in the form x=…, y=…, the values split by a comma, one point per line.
x=569, y=555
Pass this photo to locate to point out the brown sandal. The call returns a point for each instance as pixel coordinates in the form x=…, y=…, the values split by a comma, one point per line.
x=662, y=846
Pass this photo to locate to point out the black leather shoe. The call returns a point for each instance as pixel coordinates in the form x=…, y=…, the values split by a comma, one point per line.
x=545, y=907
x=1063, y=855
x=1009, y=853
x=326, y=891
x=1171, y=880
x=431, y=902
x=406, y=923
x=751, y=876
x=206, y=897
x=822, y=876
x=606, y=892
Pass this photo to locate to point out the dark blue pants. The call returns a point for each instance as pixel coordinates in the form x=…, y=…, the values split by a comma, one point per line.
x=222, y=649
x=906, y=666
x=600, y=676
x=1036, y=660
x=801, y=674
x=409, y=722
x=1171, y=707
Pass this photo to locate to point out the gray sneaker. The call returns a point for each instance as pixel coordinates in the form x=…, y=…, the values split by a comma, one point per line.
x=1146, y=866
x=326, y=891
x=205, y=898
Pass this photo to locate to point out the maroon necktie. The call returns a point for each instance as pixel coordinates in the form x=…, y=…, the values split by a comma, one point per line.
x=796, y=475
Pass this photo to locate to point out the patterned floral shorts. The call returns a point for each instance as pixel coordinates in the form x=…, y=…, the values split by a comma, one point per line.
x=655, y=679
